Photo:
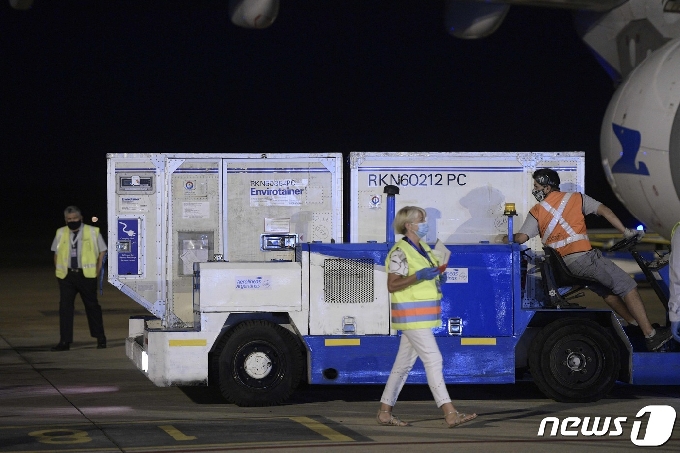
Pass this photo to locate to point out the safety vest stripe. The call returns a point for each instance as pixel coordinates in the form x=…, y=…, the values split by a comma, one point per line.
x=574, y=241
x=416, y=312
x=416, y=325
x=417, y=304
x=409, y=310
x=557, y=217
x=567, y=241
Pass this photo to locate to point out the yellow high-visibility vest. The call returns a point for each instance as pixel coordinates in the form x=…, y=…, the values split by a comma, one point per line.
x=89, y=251
x=417, y=306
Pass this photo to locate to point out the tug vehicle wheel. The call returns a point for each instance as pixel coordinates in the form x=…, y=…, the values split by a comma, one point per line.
x=574, y=360
x=259, y=363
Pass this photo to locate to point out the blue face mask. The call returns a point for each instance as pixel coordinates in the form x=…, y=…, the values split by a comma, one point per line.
x=423, y=228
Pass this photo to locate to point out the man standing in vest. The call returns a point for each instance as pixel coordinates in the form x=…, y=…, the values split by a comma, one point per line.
x=559, y=219
x=78, y=255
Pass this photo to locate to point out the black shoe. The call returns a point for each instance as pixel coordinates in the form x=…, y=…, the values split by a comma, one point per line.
x=62, y=346
x=101, y=343
x=660, y=338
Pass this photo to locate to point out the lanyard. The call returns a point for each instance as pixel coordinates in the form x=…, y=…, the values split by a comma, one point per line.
x=420, y=250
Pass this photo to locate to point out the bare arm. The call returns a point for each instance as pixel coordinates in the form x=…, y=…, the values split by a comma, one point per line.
x=520, y=238
x=396, y=282
x=608, y=214
x=100, y=260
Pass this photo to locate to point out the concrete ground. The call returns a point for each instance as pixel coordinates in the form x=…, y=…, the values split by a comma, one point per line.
x=90, y=400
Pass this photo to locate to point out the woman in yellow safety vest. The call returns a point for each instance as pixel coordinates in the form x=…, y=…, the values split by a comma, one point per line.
x=414, y=284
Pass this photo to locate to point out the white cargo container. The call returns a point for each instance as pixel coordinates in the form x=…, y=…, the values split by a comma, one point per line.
x=169, y=211
x=464, y=193
x=257, y=325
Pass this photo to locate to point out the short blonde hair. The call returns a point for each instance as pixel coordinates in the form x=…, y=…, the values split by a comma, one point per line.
x=407, y=214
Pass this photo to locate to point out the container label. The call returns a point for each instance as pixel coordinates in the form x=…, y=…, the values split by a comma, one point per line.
x=254, y=282
x=277, y=192
x=133, y=204
x=456, y=275
x=417, y=179
x=128, y=246
x=195, y=210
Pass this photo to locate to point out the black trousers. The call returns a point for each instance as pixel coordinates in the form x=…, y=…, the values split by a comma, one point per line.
x=76, y=283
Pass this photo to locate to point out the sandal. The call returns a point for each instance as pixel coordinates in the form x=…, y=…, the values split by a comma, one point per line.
x=460, y=418
x=393, y=421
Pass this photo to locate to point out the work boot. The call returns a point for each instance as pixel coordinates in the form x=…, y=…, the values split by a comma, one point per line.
x=61, y=346
x=101, y=343
x=660, y=338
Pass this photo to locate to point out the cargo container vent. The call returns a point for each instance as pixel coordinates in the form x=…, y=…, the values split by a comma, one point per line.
x=348, y=281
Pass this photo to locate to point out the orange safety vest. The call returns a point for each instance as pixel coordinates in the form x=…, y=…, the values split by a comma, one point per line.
x=561, y=222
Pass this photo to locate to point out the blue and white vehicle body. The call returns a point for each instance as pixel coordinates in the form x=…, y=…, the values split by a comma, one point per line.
x=319, y=311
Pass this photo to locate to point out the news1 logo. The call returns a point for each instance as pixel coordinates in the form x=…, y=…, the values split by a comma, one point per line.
x=657, y=432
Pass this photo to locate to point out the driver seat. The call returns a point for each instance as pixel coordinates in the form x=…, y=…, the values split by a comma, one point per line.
x=556, y=275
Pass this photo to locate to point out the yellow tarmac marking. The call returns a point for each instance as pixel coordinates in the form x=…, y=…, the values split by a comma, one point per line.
x=478, y=342
x=322, y=429
x=176, y=433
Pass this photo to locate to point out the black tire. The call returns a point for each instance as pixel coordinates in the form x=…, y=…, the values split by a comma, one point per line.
x=257, y=363
x=574, y=360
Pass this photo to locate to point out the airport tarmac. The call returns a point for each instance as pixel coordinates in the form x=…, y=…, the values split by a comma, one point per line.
x=95, y=400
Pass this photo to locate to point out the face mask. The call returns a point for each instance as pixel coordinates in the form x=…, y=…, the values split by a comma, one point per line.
x=423, y=228
x=539, y=195
x=74, y=225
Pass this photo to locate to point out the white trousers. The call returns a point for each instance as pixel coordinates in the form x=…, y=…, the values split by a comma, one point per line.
x=417, y=343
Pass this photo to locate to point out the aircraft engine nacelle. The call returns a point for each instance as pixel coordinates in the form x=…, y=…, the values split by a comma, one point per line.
x=640, y=140
x=253, y=13
x=468, y=19
x=21, y=4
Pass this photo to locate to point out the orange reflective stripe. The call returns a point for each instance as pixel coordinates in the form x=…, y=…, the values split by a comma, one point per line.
x=572, y=215
x=409, y=312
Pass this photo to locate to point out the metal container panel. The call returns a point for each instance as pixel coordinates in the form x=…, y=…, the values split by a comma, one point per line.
x=168, y=211
x=463, y=193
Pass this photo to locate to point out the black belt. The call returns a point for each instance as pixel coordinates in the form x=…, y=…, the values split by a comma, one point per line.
x=74, y=270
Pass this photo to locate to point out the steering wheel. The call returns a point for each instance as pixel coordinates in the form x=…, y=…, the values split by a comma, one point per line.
x=625, y=243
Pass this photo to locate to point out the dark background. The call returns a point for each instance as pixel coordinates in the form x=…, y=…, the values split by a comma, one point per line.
x=81, y=79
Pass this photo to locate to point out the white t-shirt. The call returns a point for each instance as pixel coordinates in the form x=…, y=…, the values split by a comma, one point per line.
x=398, y=263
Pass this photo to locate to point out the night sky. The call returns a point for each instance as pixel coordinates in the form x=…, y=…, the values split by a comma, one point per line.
x=81, y=79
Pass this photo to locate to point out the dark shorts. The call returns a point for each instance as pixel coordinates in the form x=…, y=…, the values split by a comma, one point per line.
x=613, y=279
